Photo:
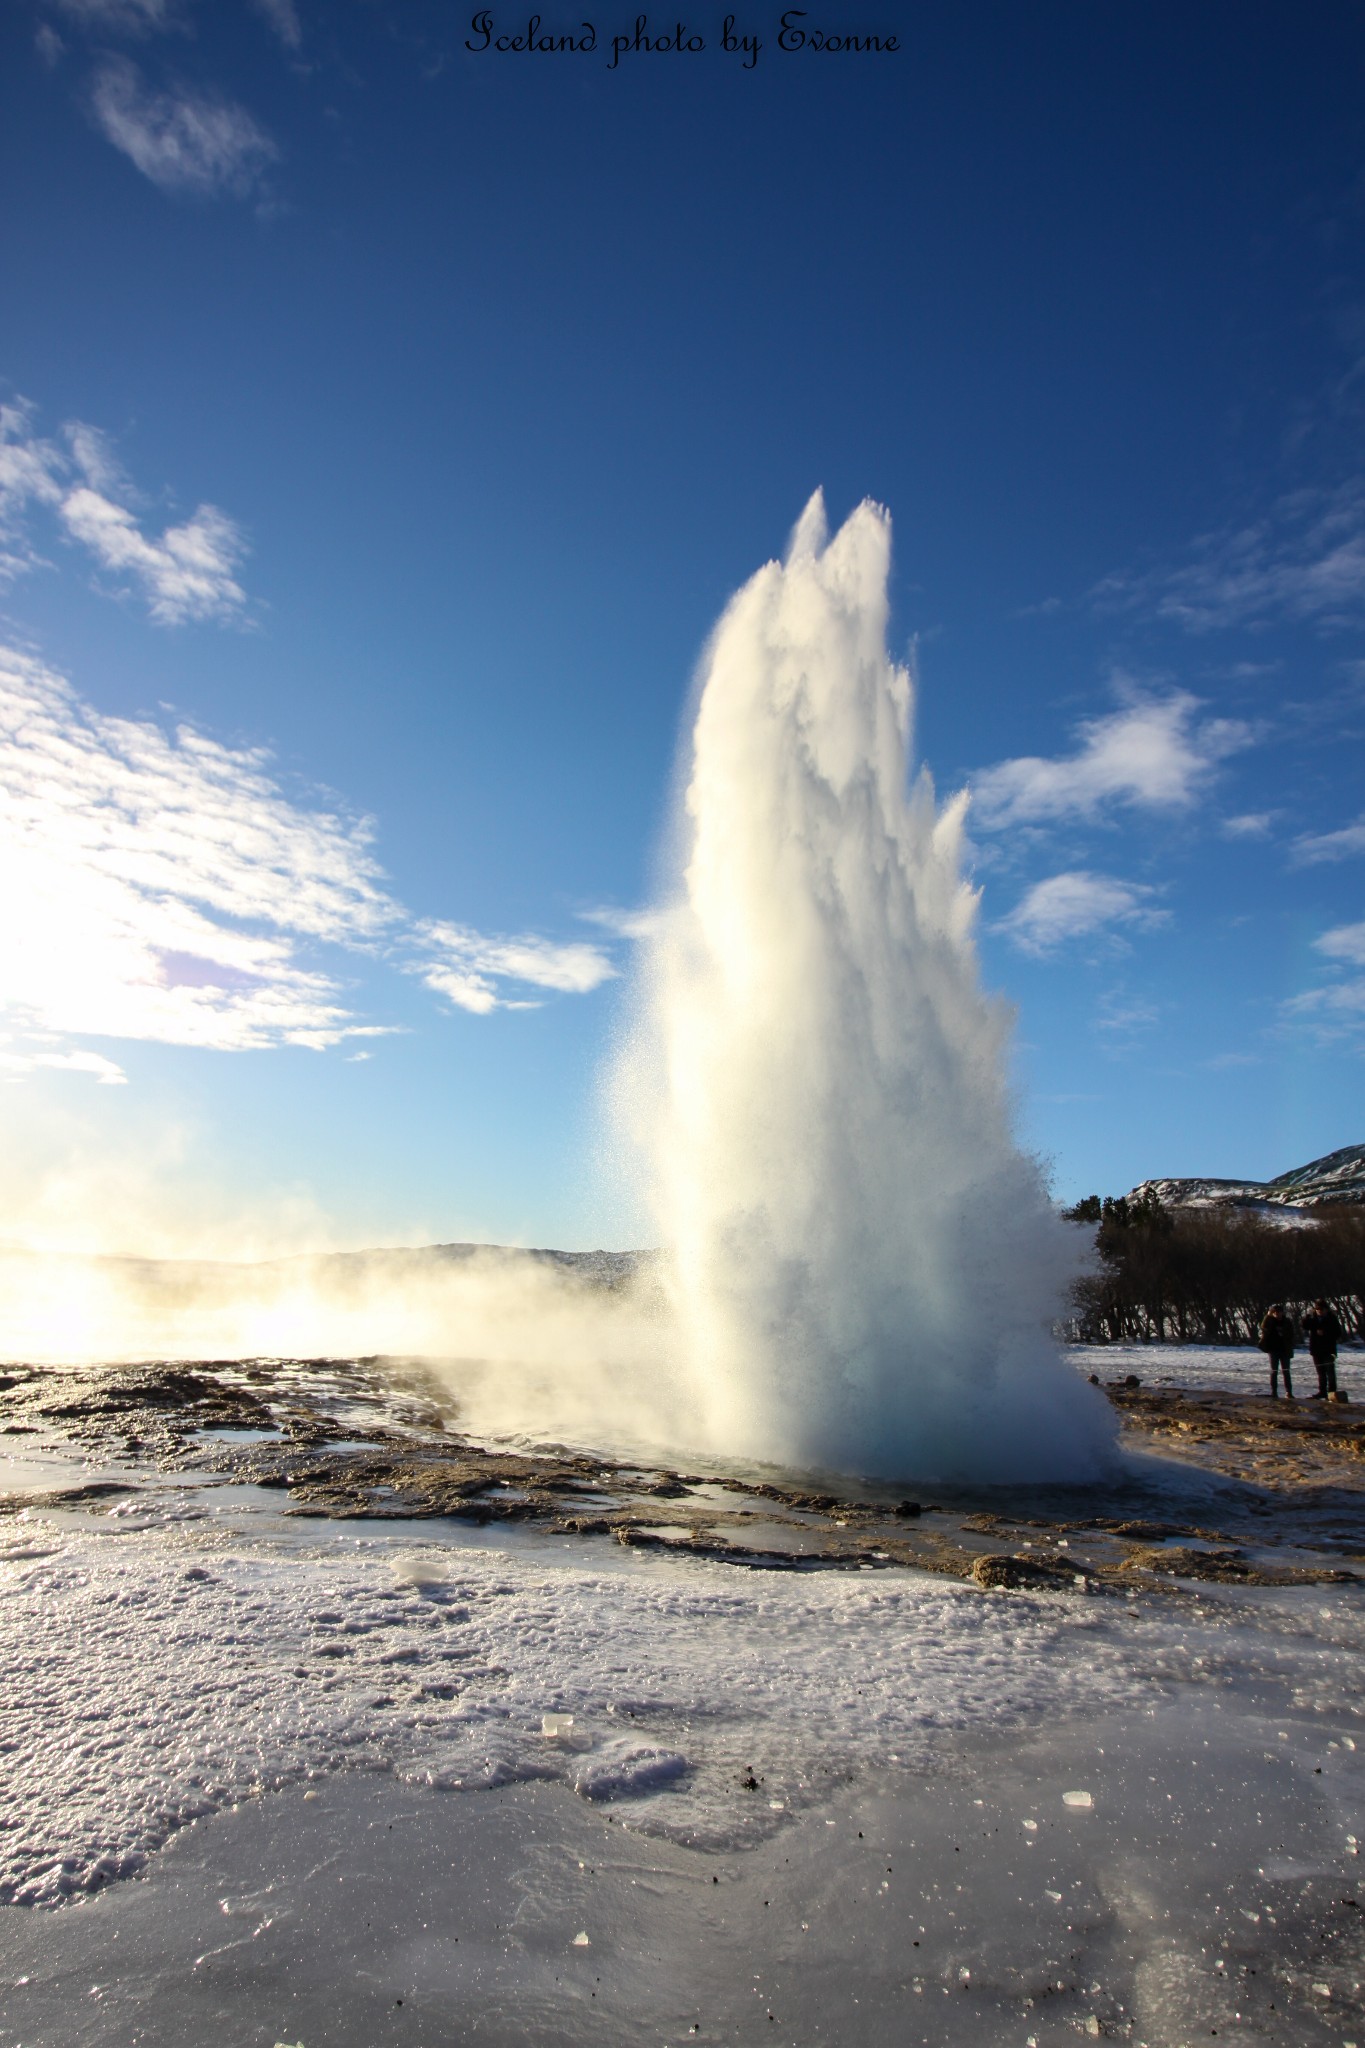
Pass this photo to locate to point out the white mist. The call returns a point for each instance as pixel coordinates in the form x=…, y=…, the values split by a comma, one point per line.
x=864, y=1264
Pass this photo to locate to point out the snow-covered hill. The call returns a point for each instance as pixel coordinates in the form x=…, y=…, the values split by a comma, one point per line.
x=1337, y=1178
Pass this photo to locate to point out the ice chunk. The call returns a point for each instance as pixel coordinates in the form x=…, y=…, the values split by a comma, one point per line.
x=556, y=1726
x=580, y=1940
x=1078, y=1799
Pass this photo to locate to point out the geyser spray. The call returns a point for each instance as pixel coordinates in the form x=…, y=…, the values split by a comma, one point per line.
x=864, y=1266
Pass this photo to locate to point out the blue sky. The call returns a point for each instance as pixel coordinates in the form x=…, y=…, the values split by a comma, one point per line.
x=386, y=425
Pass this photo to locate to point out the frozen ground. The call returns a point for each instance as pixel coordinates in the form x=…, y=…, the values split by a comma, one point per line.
x=1238, y=1367
x=793, y=1807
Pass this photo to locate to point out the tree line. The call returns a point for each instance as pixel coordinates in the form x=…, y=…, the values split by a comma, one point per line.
x=1207, y=1276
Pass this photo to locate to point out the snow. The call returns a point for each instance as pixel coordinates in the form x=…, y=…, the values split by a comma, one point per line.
x=384, y=1783
x=1336, y=1177
x=158, y=1675
x=1235, y=1368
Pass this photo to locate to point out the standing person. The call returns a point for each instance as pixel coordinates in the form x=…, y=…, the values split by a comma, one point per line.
x=1277, y=1340
x=1323, y=1333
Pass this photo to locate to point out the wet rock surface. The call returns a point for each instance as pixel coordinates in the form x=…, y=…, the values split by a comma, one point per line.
x=378, y=1439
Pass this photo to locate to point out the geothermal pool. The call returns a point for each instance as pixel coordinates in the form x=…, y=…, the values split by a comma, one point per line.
x=279, y=1775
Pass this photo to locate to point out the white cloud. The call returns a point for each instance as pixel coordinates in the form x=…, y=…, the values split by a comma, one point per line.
x=1304, y=561
x=95, y=457
x=626, y=924
x=1250, y=825
x=1312, y=847
x=1346, y=942
x=158, y=887
x=1335, y=1013
x=283, y=17
x=106, y=1071
x=187, y=572
x=126, y=17
x=1124, y=1015
x=162, y=886
x=184, y=142
x=1151, y=753
x=469, y=966
x=30, y=473
x=1073, y=906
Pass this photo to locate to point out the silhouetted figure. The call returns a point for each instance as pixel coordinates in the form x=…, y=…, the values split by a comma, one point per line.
x=1277, y=1341
x=1323, y=1334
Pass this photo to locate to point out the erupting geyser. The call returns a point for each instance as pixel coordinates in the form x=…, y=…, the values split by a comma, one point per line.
x=865, y=1266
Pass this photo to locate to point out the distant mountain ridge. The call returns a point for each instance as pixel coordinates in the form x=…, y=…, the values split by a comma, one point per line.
x=1335, y=1179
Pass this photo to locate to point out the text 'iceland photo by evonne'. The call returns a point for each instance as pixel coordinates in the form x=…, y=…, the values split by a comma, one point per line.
x=789, y=34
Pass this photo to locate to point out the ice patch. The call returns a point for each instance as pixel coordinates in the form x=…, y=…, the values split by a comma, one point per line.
x=142, y=1694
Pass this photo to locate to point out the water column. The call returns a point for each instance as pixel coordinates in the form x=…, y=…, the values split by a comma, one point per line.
x=864, y=1264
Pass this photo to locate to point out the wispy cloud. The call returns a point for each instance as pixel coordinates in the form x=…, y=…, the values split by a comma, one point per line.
x=121, y=17
x=626, y=924
x=14, y=1065
x=1335, y=1013
x=161, y=886
x=1076, y=905
x=31, y=471
x=1346, y=942
x=283, y=17
x=1153, y=753
x=187, y=143
x=1312, y=847
x=1249, y=825
x=187, y=572
x=469, y=968
x=1304, y=561
x=1124, y=1015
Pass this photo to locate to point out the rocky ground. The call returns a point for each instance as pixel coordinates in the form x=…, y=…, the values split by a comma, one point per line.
x=1285, y=1502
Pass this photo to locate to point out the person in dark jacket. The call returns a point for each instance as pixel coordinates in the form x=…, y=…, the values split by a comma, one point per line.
x=1322, y=1332
x=1277, y=1341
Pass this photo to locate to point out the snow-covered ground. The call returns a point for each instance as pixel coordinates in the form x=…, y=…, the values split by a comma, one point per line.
x=1240, y=1368
x=171, y=1656
x=793, y=1807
